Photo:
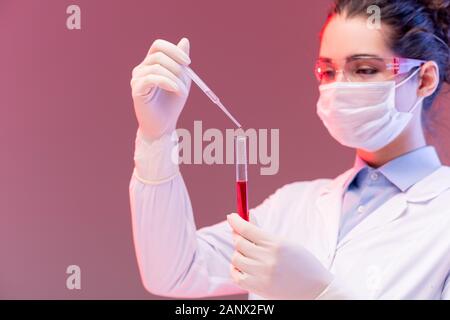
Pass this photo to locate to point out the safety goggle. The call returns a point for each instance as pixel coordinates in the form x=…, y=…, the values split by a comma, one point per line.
x=363, y=68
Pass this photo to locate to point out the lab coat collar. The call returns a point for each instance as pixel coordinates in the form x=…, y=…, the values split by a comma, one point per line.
x=329, y=203
x=431, y=186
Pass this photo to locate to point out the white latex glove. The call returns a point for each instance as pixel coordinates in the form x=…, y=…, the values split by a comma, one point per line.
x=160, y=87
x=272, y=267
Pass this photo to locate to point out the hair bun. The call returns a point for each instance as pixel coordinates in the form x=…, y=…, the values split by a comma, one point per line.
x=440, y=11
x=436, y=4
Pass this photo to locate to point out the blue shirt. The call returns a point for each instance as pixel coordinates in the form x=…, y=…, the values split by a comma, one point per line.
x=372, y=187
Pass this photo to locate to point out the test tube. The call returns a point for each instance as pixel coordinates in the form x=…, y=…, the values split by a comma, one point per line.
x=241, y=176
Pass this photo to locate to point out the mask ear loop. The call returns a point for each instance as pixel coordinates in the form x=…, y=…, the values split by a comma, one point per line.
x=416, y=104
x=406, y=80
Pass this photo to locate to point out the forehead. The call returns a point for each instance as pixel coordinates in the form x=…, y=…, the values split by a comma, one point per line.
x=343, y=37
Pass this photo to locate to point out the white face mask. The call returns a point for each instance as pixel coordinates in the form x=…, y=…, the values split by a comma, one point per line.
x=363, y=115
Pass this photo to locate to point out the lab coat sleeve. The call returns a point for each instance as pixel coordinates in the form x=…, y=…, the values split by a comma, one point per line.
x=174, y=258
x=446, y=290
x=337, y=290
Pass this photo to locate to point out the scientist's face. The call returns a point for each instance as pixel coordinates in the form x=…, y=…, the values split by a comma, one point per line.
x=344, y=38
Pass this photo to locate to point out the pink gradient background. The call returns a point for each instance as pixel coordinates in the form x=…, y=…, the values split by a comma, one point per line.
x=67, y=126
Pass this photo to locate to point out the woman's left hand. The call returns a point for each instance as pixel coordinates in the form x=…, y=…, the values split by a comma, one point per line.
x=274, y=268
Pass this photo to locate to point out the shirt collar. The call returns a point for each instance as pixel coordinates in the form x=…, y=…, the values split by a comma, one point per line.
x=407, y=169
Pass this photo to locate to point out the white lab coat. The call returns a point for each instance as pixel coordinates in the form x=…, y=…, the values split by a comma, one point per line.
x=400, y=251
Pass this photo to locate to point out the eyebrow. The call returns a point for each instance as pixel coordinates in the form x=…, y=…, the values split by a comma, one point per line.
x=353, y=57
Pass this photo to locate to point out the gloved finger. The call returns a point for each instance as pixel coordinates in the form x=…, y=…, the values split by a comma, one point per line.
x=184, y=45
x=239, y=278
x=142, y=86
x=251, y=283
x=247, y=230
x=164, y=60
x=158, y=70
x=247, y=248
x=244, y=264
x=171, y=50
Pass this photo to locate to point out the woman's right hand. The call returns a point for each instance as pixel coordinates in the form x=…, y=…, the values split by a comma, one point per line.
x=160, y=87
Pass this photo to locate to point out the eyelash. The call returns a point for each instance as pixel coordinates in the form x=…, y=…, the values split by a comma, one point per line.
x=372, y=70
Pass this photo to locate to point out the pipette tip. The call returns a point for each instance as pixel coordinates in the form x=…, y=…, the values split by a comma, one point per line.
x=202, y=85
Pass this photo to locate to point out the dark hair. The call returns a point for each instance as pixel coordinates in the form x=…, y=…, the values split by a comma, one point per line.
x=419, y=30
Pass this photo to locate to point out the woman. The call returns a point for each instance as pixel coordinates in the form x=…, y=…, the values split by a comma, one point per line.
x=378, y=231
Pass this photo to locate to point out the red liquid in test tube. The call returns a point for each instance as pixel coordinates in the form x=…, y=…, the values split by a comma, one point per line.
x=242, y=202
x=241, y=176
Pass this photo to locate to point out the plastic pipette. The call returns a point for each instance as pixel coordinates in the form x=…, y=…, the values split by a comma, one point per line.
x=210, y=94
